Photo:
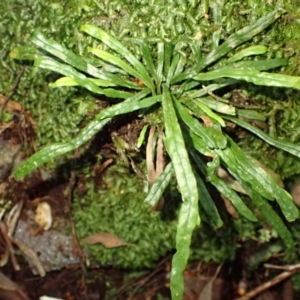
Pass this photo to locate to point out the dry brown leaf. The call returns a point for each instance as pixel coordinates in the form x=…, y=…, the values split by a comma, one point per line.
x=207, y=292
x=207, y=121
x=233, y=184
x=160, y=161
x=229, y=207
x=98, y=169
x=149, y=157
x=108, y=240
x=11, y=106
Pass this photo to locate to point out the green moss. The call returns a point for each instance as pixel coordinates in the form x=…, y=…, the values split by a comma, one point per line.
x=119, y=208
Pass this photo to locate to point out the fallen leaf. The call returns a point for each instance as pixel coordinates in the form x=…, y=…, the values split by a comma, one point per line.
x=10, y=106
x=108, y=240
x=207, y=292
x=233, y=184
x=230, y=208
x=207, y=121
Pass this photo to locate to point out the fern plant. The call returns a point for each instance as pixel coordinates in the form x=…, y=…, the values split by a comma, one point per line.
x=193, y=120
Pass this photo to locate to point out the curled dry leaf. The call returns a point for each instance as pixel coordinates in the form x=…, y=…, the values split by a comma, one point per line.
x=230, y=208
x=43, y=215
x=108, y=240
x=295, y=192
x=233, y=184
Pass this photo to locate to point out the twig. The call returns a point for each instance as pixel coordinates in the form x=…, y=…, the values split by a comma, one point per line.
x=149, y=157
x=13, y=217
x=139, y=282
x=6, y=237
x=286, y=268
x=72, y=183
x=12, y=91
x=32, y=255
x=226, y=101
x=213, y=95
x=267, y=285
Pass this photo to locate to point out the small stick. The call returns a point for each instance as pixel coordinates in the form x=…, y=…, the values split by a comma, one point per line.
x=71, y=187
x=32, y=255
x=13, y=217
x=286, y=268
x=267, y=285
x=149, y=157
x=213, y=95
x=4, y=232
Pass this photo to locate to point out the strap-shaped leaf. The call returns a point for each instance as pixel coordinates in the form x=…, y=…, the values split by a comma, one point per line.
x=160, y=63
x=259, y=65
x=251, y=114
x=209, y=112
x=280, y=144
x=224, y=189
x=218, y=106
x=271, y=216
x=205, y=200
x=231, y=43
x=114, y=44
x=252, y=50
x=233, y=197
x=229, y=158
x=50, y=152
x=188, y=217
x=80, y=79
x=197, y=142
x=208, y=205
x=25, y=53
x=104, y=55
x=197, y=93
x=254, y=76
x=172, y=68
x=242, y=36
x=238, y=162
x=212, y=137
x=181, y=64
x=160, y=185
x=126, y=107
x=67, y=81
x=283, y=198
x=168, y=53
x=142, y=136
x=147, y=56
x=76, y=61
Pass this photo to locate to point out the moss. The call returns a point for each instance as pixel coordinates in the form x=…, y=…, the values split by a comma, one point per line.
x=119, y=208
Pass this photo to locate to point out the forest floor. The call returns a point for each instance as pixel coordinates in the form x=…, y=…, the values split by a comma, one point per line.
x=22, y=279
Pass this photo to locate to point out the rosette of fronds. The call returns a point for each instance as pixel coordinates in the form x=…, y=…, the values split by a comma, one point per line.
x=193, y=121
